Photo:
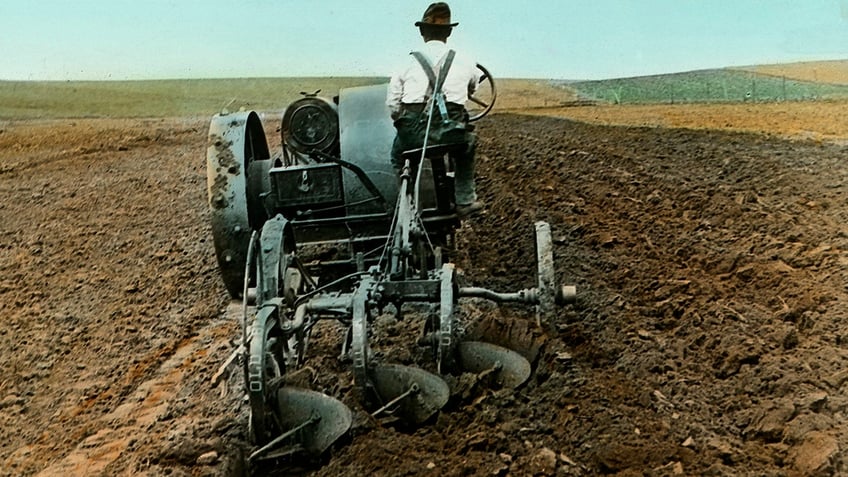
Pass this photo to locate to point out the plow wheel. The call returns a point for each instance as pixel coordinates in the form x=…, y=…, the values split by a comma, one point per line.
x=447, y=328
x=551, y=293
x=546, y=275
x=284, y=420
x=271, y=347
x=264, y=367
x=279, y=280
x=360, y=352
x=237, y=164
x=440, y=329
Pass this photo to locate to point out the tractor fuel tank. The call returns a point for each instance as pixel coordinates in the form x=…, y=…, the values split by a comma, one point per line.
x=367, y=134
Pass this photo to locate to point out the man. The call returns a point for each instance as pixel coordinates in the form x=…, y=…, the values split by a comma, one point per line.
x=437, y=69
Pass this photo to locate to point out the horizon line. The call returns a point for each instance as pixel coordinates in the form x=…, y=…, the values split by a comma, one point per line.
x=232, y=78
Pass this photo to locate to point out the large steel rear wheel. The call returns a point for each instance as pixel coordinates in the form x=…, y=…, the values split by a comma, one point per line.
x=237, y=161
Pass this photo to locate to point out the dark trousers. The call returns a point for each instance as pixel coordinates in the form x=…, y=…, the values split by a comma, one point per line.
x=411, y=127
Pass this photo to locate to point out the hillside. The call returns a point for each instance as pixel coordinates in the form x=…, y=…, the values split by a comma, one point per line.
x=706, y=86
x=832, y=72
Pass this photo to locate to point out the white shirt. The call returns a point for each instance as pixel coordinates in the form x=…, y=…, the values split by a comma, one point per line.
x=410, y=83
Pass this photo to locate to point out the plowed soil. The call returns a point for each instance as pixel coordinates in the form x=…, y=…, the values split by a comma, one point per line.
x=817, y=121
x=710, y=335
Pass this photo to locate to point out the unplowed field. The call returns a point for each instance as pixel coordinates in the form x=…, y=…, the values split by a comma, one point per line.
x=710, y=335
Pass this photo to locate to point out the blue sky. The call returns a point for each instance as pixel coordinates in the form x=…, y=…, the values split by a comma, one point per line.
x=566, y=39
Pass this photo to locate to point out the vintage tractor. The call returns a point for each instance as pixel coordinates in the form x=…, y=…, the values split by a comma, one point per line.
x=329, y=230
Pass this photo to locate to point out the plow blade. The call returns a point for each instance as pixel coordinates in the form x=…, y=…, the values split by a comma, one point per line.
x=412, y=394
x=326, y=418
x=510, y=368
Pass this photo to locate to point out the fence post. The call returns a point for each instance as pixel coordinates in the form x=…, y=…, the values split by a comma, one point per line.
x=617, y=95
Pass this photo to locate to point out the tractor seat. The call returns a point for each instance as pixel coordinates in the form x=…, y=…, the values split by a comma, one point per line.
x=434, y=150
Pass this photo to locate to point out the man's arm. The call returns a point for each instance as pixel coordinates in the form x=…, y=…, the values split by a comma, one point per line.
x=474, y=79
x=395, y=95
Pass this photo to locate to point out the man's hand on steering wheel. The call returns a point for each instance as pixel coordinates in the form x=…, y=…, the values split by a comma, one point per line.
x=483, y=97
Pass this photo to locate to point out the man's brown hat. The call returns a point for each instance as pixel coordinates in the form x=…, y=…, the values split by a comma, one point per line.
x=437, y=14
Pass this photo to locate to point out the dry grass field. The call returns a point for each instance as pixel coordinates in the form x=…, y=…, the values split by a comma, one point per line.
x=516, y=94
x=832, y=72
x=818, y=121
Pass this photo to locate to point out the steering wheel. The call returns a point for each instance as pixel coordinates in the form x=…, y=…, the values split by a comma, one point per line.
x=483, y=100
